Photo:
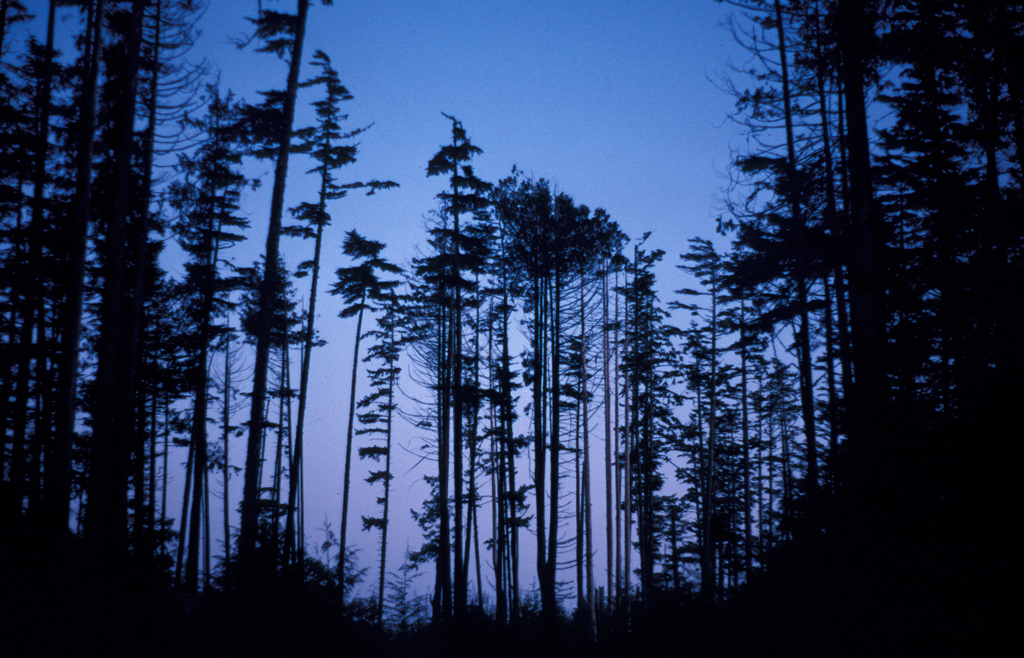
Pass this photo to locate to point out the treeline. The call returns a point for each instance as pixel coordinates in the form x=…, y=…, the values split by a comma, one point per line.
x=811, y=434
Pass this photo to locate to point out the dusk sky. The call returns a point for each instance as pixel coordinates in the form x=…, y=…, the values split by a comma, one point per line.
x=618, y=102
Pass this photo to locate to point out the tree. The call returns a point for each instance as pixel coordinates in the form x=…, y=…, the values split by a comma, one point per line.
x=704, y=262
x=207, y=202
x=466, y=195
x=324, y=143
x=284, y=35
x=106, y=512
x=650, y=363
x=378, y=422
x=552, y=242
x=359, y=287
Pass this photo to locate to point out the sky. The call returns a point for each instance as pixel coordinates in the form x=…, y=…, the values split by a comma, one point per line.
x=619, y=103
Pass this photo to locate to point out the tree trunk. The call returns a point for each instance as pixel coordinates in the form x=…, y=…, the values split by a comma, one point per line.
x=226, y=434
x=801, y=278
x=348, y=454
x=106, y=511
x=608, y=439
x=591, y=618
x=250, y=494
x=58, y=492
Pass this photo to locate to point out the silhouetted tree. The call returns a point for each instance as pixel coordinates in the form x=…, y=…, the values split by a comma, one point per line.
x=466, y=195
x=361, y=290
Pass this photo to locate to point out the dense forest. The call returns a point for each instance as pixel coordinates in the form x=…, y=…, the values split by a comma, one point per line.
x=799, y=451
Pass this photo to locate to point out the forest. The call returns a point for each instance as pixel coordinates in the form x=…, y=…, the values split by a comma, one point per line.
x=784, y=455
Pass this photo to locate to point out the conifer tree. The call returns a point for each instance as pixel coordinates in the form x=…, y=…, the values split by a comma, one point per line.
x=378, y=422
x=329, y=147
x=106, y=511
x=650, y=364
x=361, y=290
x=466, y=194
x=283, y=35
x=207, y=202
x=705, y=263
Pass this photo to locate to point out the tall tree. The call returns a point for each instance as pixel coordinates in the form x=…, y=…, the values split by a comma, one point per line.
x=106, y=511
x=207, y=202
x=283, y=35
x=650, y=363
x=552, y=241
x=71, y=324
x=378, y=422
x=329, y=147
x=465, y=195
x=704, y=262
x=360, y=289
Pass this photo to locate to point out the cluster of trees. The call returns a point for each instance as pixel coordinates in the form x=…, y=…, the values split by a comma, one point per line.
x=108, y=361
x=837, y=355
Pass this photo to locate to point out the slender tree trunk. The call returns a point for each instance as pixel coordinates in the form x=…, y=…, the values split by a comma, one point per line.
x=186, y=497
x=250, y=494
x=627, y=473
x=59, y=470
x=619, y=595
x=608, y=451
x=747, y=504
x=199, y=454
x=802, y=283
x=461, y=573
x=348, y=453
x=293, y=543
x=473, y=449
x=144, y=537
x=540, y=454
x=32, y=298
x=550, y=603
x=106, y=512
x=708, y=560
x=226, y=420
x=508, y=437
x=387, y=493
x=443, y=590
x=588, y=520
x=164, y=477
x=580, y=530
x=279, y=450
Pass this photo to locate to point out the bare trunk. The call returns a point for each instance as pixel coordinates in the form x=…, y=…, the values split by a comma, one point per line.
x=106, y=512
x=608, y=451
x=801, y=282
x=588, y=520
x=59, y=485
x=346, y=486
x=250, y=495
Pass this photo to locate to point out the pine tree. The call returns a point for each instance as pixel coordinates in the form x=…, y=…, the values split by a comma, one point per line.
x=650, y=365
x=106, y=512
x=284, y=34
x=466, y=195
x=361, y=290
x=378, y=422
x=207, y=202
x=704, y=262
x=328, y=146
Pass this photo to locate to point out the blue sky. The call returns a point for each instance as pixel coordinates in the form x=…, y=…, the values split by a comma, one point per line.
x=618, y=102
x=614, y=101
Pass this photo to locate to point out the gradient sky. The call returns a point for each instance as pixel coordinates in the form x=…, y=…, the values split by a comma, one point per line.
x=618, y=102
